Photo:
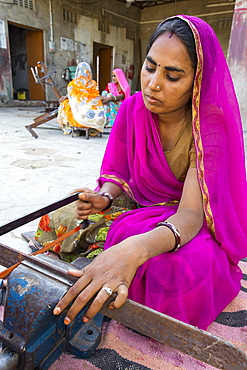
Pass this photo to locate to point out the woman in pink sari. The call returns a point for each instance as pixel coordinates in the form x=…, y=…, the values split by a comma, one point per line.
x=182, y=160
x=114, y=94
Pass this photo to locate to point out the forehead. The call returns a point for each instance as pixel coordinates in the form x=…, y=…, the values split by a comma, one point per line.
x=169, y=50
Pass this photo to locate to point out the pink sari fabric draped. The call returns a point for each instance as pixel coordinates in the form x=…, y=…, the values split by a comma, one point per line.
x=198, y=281
x=122, y=82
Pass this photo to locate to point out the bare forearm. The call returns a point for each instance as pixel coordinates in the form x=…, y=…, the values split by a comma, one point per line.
x=188, y=222
x=118, y=97
x=161, y=239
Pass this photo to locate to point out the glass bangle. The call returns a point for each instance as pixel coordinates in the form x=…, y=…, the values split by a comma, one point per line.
x=175, y=233
x=110, y=197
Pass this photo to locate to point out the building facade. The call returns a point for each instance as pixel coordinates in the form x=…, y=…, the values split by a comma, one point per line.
x=106, y=34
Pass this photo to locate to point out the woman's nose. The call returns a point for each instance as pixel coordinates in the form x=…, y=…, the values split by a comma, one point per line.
x=155, y=82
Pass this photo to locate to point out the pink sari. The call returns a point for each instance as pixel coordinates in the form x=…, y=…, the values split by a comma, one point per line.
x=198, y=281
x=113, y=89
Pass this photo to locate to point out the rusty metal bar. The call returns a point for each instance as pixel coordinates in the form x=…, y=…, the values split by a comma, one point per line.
x=36, y=214
x=188, y=339
x=46, y=79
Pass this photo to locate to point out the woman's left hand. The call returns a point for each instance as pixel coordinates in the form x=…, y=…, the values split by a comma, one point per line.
x=63, y=98
x=114, y=268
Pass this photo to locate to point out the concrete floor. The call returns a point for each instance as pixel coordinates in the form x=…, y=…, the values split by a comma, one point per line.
x=37, y=172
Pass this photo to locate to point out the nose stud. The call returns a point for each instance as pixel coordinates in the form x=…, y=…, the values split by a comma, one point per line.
x=158, y=87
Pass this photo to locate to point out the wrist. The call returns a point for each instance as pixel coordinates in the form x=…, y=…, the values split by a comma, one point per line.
x=175, y=232
x=110, y=199
x=140, y=248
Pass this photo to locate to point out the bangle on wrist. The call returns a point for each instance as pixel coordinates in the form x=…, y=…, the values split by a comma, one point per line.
x=110, y=197
x=175, y=233
x=115, y=98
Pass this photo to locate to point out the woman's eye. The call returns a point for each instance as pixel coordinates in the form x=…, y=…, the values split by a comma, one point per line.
x=172, y=78
x=150, y=69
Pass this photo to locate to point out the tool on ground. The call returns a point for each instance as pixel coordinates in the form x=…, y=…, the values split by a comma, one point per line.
x=45, y=79
x=33, y=338
x=41, y=119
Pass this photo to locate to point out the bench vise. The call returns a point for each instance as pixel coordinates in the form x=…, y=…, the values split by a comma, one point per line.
x=32, y=337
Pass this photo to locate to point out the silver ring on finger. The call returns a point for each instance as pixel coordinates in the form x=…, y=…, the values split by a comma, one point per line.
x=107, y=290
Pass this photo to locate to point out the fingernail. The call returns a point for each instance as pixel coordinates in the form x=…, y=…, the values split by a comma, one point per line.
x=111, y=307
x=57, y=311
x=67, y=321
x=85, y=319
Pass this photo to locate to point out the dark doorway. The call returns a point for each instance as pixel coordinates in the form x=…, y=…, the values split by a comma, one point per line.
x=26, y=49
x=102, y=53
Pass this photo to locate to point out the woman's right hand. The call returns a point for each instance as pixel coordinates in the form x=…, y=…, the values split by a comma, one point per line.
x=89, y=202
x=113, y=269
x=105, y=99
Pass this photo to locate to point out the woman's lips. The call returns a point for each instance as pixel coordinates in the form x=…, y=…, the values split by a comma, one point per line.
x=151, y=99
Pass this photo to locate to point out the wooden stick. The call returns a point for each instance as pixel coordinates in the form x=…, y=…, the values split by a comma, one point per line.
x=97, y=78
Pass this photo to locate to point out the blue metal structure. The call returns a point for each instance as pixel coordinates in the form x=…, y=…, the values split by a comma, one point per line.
x=29, y=327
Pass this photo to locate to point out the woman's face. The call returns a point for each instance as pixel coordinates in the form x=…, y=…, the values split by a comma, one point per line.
x=167, y=75
x=114, y=78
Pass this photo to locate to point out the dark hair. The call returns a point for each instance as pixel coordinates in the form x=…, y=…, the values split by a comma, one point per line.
x=182, y=30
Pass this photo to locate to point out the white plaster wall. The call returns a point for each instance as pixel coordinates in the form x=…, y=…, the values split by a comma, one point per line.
x=87, y=32
x=36, y=18
x=84, y=33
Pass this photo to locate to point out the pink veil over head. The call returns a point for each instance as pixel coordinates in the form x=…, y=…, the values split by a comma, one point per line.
x=122, y=80
x=218, y=134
